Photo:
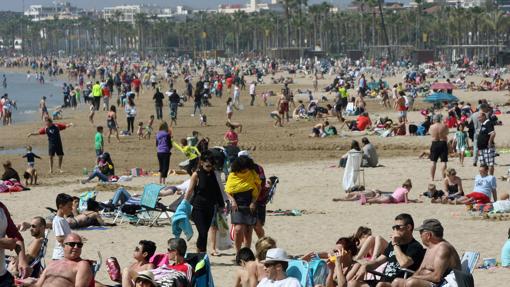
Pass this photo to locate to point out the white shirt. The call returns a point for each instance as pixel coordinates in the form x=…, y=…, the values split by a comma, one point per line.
x=3, y=229
x=252, y=89
x=287, y=282
x=60, y=228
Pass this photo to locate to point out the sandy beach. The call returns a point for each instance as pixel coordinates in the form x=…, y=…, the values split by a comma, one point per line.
x=305, y=166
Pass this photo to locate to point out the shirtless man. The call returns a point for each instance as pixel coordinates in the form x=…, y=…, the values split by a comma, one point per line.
x=70, y=271
x=142, y=253
x=440, y=259
x=439, y=147
x=37, y=230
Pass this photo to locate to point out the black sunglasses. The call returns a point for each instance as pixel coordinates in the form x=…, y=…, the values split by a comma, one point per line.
x=398, y=227
x=74, y=244
x=33, y=226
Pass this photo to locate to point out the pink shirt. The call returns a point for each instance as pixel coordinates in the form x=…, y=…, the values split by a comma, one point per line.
x=231, y=136
x=399, y=195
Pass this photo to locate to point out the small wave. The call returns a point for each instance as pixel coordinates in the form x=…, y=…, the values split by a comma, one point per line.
x=28, y=112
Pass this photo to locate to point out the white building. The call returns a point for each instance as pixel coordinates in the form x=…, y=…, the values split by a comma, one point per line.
x=250, y=7
x=455, y=3
x=126, y=13
x=61, y=10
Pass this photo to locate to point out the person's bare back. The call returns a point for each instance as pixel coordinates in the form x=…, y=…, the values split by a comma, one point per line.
x=438, y=132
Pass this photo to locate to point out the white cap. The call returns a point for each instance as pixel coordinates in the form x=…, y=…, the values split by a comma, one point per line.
x=244, y=153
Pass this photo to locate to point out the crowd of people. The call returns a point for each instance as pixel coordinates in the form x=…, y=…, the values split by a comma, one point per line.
x=243, y=193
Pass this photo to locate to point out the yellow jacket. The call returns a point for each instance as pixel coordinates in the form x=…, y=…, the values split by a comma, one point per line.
x=238, y=182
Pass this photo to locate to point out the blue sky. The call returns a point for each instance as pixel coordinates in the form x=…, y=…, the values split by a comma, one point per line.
x=16, y=5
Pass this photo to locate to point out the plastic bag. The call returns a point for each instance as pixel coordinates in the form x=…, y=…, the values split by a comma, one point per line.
x=223, y=241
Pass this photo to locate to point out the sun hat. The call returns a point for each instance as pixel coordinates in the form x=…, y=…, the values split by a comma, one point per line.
x=244, y=153
x=147, y=276
x=276, y=255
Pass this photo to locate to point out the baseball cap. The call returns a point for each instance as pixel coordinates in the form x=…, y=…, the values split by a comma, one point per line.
x=432, y=225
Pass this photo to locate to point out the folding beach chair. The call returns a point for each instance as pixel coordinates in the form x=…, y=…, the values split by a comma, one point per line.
x=38, y=265
x=151, y=209
x=272, y=190
x=352, y=171
x=468, y=261
x=202, y=276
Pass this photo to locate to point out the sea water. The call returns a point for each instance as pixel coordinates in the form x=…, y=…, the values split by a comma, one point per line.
x=28, y=93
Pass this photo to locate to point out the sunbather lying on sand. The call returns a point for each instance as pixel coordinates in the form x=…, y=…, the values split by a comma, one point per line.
x=400, y=195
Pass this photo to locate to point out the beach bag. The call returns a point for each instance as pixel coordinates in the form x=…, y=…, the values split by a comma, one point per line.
x=319, y=272
x=223, y=240
x=413, y=129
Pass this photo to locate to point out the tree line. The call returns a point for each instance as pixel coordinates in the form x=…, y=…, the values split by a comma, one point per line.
x=300, y=25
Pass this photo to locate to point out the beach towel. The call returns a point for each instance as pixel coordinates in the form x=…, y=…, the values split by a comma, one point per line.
x=352, y=169
x=180, y=220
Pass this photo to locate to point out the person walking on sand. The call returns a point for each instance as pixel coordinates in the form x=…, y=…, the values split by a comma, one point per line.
x=52, y=130
x=111, y=123
x=439, y=147
x=43, y=108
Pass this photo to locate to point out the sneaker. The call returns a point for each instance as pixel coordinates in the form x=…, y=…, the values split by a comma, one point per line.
x=192, y=115
x=474, y=163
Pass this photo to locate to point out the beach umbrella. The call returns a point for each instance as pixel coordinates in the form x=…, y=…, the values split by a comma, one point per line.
x=442, y=86
x=441, y=97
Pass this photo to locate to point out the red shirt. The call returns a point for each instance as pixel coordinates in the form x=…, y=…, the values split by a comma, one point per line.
x=184, y=268
x=136, y=83
x=11, y=231
x=362, y=122
x=106, y=92
x=231, y=136
x=60, y=126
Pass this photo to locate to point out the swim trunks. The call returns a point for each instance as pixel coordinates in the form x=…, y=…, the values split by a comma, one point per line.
x=55, y=149
x=439, y=150
x=487, y=156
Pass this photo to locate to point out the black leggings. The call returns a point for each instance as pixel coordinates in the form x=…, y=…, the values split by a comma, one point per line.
x=164, y=163
x=131, y=124
x=203, y=219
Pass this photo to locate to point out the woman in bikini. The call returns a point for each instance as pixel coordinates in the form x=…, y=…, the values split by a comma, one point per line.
x=111, y=123
x=453, y=185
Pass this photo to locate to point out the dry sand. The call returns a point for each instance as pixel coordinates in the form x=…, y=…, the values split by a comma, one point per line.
x=306, y=182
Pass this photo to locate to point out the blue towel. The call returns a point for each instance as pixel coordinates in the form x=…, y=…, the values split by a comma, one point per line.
x=180, y=220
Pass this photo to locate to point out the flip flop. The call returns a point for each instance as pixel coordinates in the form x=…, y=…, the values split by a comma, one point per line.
x=215, y=253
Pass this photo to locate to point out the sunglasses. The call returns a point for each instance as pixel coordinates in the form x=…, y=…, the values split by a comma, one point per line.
x=74, y=244
x=398, y=227
x=137, y=249
x=33, y=226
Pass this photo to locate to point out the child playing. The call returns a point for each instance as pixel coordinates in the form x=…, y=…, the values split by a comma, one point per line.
x=203, y=120
x=191, y=153
x=461, y=142
x=99, y=141
x=148, y=128
x=435, y=195
x=30, y=156
x=91, y=113
x=398, y=196
x=139, y=132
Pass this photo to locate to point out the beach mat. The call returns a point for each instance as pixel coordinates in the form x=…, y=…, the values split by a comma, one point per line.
x=90, y=228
